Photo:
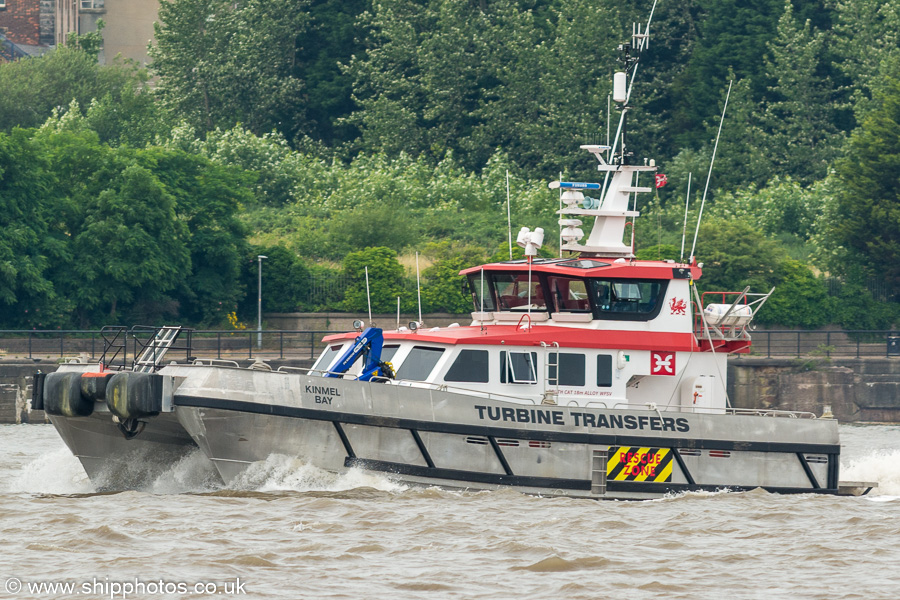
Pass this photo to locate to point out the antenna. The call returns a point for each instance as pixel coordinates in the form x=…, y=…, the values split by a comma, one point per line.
x=368, y=296
x=508, y=216
x=560, y=210
x=709, y=175
x=608, y=117
x=418, y=289
x=398, y=313
x=482, y=298
x=687, y=203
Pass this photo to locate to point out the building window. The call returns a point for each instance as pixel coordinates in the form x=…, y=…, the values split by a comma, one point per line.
x=91, y=3
x=571, y=369
x=419, y=363
x=518, y=367
x=471, y=366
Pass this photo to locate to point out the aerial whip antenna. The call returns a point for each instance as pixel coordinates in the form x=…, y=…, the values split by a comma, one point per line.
x=687, y=203
x=508, y=216
x=709, y=175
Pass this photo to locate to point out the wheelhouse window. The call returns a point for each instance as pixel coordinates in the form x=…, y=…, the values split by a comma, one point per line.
x=481, y=295
x=570, y=368
x=627, y=299
x=419, y=363
x=604, y=370
x=470, y=366
x=514, y=292
x=388, y=352
x=518, y=367
x=569, y=294
x=327, y=357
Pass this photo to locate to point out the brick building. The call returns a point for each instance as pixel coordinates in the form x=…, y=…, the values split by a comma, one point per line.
x=20, y=21
x=32, y=27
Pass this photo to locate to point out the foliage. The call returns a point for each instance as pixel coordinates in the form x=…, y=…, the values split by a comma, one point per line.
x=445, y=75
x=222, y=63
x=801, y=132
x=658, y=252
x=33, y=88
x=736, y=255
x=800, y=299
x=385, y=282
x=285, y=280
x=868, y=199
x=91, y=42
x=442, y=285
x=29, y=243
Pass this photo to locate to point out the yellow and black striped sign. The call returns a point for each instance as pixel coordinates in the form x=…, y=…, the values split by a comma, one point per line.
x=631, y=463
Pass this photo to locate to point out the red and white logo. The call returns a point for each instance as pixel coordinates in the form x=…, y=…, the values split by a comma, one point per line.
x=677, y=306
x=662, y=363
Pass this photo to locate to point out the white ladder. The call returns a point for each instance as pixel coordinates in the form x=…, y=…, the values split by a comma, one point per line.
x=156, y=349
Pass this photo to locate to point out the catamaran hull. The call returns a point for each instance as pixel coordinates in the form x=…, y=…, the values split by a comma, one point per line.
x=113, y=461
x=437, y=437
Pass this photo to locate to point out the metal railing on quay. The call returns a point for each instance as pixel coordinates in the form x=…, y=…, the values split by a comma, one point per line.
x=305, y=344
x=219, y=344
x=836, y=343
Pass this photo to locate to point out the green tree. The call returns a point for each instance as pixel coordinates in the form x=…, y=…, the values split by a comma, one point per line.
x=29, y=244
x=801, y=136
x=867, y=218
x=33, y=88
x=131, y=247
x=222, y=63
x=867, y=48
x=385, y=281
x=207, y=198
x=800, y=299
x=442, y=285
x=736, y=255
x=285, y=280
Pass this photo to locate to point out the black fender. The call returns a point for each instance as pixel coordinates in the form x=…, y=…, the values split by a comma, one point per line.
x=63, y=397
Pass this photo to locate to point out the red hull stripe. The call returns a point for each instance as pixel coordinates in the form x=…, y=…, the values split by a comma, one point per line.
x=567, y=337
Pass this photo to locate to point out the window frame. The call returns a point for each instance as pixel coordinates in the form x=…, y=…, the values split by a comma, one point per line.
x=485, y=375
x=605, y=369
x=508, y=369
x=560, y=371
x=611, y=315
x=440, y=353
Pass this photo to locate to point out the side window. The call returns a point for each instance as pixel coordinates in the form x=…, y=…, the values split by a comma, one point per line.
x=571, y=369
x=514, y=291
x=518, y=367
x=419, y=363
x=604, y=370
x=327, y=357
x=569, y=294
x=481, y=296
x=627, y=299
x=470, y=366
x=388, y=352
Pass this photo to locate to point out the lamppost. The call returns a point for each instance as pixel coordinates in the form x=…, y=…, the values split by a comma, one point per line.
x=259, y=257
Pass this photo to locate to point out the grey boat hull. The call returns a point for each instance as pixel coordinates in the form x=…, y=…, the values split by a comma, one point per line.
x=431, y=436
x=112, y=461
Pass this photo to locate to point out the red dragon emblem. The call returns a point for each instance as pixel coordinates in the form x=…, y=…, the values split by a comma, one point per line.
x=677, y=306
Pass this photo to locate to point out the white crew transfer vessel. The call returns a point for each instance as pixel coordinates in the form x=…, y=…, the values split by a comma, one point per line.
x=595, y=375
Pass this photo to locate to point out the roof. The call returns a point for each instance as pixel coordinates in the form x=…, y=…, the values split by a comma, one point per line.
x=597, y=267
x=566, y=337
